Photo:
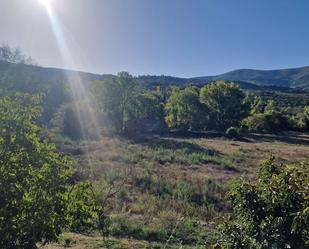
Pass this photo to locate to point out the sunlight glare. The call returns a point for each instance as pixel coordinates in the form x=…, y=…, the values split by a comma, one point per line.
x=79, y=93
x=46, y=4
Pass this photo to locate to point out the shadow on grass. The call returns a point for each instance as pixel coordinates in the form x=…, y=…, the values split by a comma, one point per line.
x=285, y=138
x=156, y=142
x=170, y=150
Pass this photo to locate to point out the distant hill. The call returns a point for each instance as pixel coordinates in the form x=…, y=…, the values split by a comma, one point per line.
x=28, y=74
x=294, y=77
x=246, y=78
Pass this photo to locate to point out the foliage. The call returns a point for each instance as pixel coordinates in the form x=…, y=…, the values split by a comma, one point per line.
x=71, y=121
x=184, y=109
x=265, y=118
x=264, y=123
x=270, y=107
x=149, y=105
x=257, y=105
x=83, y=213
x=179, y=230
x=14, y=55
x=33, y=178
x=125, y=105
x=271, y=213
x=289, y=102
x=226, y=104
x=301, y=120
x=122, y=100
x=232, y=132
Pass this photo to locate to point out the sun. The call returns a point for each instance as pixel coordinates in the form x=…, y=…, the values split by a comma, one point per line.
x=45, y=3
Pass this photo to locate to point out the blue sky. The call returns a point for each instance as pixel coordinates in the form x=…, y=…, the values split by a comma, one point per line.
x=172, y=37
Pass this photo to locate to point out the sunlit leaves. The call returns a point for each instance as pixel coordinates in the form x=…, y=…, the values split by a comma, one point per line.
x=35, y=205
x=273, y=212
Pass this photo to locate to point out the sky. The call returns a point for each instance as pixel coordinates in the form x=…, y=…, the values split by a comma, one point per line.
x=184, y=38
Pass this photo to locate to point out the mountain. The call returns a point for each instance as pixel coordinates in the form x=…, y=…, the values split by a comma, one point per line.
x=293, y=77
x=246, y=78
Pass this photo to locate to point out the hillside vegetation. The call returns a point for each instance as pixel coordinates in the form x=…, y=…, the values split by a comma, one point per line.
x=293, y=77
x=92, y=161
x=247, y=78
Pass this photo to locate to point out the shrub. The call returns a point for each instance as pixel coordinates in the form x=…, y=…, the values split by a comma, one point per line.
x=34, y=200
x=32, y=178
x=232, y=132
x=271, y=213
x=265, y=122
x=300, y=121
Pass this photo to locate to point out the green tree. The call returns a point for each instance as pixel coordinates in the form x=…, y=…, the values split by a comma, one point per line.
x=270, y=107
x=14, y=55
x=148, y=105
x=35, y=197
x=270, y=119
x=71, y=121
x=184, y=110
x=226, y=104
x=302, y=119
x=116, y=97
x=271, y=213
x=257, y=106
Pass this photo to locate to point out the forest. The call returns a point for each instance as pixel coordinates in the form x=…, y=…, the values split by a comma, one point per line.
x=129, y=165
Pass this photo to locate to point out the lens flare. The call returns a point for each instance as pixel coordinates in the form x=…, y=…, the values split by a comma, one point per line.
x=46, y=4
x=81, y=97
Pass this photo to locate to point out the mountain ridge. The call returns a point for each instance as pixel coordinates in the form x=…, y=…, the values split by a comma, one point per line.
x=290, y=77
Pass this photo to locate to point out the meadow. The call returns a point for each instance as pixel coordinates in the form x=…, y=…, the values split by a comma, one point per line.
x=168, y=191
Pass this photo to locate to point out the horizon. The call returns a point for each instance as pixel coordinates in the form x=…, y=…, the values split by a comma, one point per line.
x=157, y=75
x=174, y=38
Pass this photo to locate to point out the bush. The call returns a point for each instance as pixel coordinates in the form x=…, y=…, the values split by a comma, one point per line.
x=300, y=121
x=32, y=178
x=232, y=132
x=265, y=122
x=271, y=213
x=35, y=202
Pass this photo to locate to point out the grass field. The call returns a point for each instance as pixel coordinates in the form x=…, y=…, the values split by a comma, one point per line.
x=166, y=192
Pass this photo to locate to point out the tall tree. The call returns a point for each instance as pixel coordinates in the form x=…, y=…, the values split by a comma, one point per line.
x=115, y=99
x=184, y=110
x=226, y=103
x=14, y=55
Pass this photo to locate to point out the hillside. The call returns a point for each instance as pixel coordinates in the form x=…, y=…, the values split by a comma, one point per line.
x=246, y=78
x=294, y=77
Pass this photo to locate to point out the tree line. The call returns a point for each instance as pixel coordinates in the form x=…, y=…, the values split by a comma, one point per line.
x=124, y=106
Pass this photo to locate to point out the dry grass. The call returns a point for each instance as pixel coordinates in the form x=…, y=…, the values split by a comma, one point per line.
x=121, y=154
x=149, y=165
x=78, y=241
